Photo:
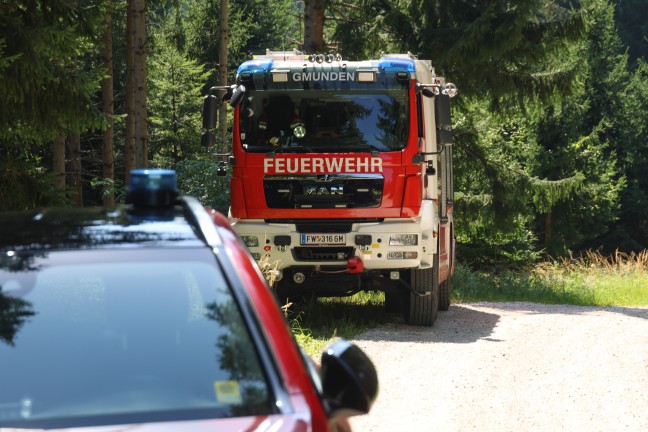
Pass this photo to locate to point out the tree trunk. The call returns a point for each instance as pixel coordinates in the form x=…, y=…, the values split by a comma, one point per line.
x=74, y=150
x=58, y=164
x=140, y=114
x=129, y=140
x=222, y=74
x=548, y=229
x=313, y=26
x=108, y=110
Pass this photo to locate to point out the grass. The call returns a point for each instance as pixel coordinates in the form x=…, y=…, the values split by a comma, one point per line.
x=317, y=322
x=590, y=280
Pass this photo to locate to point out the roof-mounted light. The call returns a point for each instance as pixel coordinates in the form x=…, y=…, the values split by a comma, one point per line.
x=366, y=76
x=402, y=76
x=279, y=76
x=152, y=188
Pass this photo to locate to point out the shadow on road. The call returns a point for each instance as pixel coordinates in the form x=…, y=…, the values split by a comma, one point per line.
x=460, y=324
x=466, y=323
x=548, y=309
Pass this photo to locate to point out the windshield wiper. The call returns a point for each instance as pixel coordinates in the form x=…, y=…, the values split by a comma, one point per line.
x=296, y=148
x=374, y=150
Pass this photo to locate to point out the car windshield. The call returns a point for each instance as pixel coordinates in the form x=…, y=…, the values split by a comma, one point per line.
x=123, y=336
x=324, y=120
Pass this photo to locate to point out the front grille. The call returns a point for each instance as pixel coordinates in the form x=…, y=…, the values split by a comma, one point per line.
x=323, y=226
x=324, y=191
x=341, y=253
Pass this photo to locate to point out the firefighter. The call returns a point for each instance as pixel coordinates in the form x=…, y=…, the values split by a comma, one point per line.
x=297, y=126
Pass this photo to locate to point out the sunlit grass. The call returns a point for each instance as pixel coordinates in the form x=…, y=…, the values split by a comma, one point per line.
x=318, y=322
x=592, y=280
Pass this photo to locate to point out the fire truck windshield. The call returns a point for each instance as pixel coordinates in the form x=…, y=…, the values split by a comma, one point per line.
x=319, y=120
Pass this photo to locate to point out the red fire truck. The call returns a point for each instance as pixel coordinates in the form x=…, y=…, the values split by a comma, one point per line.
x=342, y=176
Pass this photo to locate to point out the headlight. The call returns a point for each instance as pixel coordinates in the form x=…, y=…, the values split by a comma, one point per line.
x=250, y=241
x=403, y=240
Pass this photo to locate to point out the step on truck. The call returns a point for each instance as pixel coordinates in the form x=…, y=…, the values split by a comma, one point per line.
x=342, y=176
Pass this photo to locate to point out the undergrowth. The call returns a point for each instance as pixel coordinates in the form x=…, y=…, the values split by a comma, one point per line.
x=591, y=279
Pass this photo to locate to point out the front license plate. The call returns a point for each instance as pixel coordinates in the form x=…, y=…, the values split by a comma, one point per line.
x=323, y=239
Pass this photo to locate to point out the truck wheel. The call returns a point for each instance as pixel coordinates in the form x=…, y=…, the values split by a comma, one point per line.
x=422, y=305
x=445, y=289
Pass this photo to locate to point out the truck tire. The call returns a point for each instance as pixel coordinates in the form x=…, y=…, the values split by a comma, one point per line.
x=422, y=302
x=445, y=289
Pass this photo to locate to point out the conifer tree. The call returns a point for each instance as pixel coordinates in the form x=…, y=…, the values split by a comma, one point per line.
x=175, y=102
x=49, y=90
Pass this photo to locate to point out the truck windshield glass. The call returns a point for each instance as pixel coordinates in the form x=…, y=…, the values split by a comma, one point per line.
x=324, y=120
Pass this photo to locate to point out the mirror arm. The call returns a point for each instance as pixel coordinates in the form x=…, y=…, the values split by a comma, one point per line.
x=420, y=157
x=214, y=89
x=431, y=90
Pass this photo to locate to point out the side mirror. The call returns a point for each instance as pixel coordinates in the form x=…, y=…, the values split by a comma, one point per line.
x=425, y=91
x=237, y=96
x=208, y=139
x=210, y=110
x=349, y=380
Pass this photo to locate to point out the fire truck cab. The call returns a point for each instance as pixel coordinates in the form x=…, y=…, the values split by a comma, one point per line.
x=342, y=176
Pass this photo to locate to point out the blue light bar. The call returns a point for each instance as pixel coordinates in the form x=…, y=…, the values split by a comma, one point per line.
x=397, y=64
x=255, y=66
x=152, y=188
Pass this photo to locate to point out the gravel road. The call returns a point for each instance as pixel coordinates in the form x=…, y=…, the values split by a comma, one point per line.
x=512, y=367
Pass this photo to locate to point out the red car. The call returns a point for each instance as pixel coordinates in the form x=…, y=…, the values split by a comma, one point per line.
x=154, y=316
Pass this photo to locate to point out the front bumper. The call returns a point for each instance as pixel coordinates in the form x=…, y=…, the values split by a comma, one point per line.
x=281, y=245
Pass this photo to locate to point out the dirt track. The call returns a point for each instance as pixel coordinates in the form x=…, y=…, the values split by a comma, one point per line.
x=512, y=367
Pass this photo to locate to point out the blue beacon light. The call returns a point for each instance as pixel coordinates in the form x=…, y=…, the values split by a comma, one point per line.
x=151, y=188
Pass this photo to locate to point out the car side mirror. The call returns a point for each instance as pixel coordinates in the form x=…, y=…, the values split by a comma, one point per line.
x=349, y=380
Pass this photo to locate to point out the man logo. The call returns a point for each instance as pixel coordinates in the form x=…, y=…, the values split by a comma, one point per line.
x=324, y=190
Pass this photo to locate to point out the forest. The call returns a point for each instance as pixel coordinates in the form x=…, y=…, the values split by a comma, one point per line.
x=550, y=125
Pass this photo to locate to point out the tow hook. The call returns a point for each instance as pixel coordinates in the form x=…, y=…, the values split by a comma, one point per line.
x=355, y=265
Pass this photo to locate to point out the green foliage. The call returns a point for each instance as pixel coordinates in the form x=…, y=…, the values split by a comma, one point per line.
x=512, y=53
x=316, y=322
x=47, y=84
x=175, y=103
x=254, y=25
x=24, y=185
x=633, y=28
x=199, y=178
x=631, y=232
x=589, y=133
x=593, y=280
x=480, y=247
x=110, y=187
x=500, y=188
x=473, y=286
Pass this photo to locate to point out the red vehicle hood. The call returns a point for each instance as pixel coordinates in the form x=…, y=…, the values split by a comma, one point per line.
x=279, y=423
